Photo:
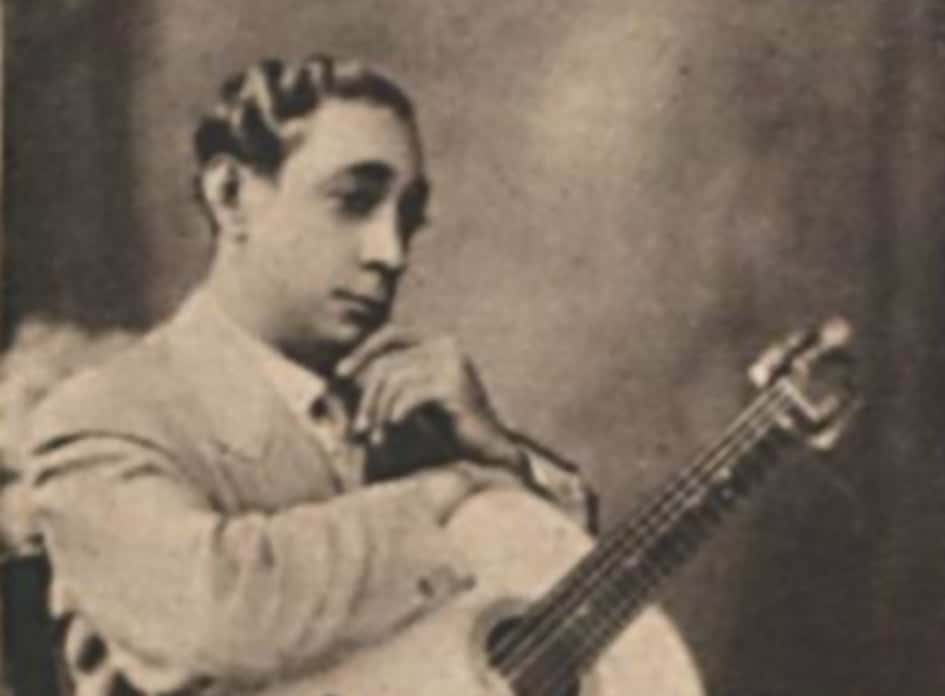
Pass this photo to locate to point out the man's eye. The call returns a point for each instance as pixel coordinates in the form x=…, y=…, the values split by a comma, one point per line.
x=411, y=222
x=413, y=213
x=359, y=202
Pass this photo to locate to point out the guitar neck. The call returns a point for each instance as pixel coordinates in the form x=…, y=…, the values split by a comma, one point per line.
x=597, y=599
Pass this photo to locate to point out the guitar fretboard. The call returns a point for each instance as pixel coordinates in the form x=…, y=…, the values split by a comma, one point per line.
x=588, y=608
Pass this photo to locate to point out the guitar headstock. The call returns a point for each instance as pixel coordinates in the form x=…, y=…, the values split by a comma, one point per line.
x=813, y=373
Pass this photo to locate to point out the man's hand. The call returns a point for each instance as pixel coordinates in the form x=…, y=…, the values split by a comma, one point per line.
x=447, y=488
x=399, y=374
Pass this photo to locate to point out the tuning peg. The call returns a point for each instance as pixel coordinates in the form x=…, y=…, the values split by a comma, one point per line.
x=776, y=359
x=799, y=350
x=836, y=332
x=833, y=338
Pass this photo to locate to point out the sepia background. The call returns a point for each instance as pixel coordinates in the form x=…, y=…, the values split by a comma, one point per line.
x=632, y=197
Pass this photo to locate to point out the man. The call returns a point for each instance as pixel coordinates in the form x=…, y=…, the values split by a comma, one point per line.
x=261, y=484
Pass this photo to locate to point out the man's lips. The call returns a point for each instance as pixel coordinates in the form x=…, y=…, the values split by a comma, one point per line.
x=363, y=303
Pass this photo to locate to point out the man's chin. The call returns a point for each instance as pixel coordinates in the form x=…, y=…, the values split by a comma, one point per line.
x=321, y=347
x=354, y=330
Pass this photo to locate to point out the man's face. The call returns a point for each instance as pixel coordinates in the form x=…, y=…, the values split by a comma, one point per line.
x=328, y=239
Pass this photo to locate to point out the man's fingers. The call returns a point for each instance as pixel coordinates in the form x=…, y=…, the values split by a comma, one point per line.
x=390, y=399
x=382, y=341
x=416, y=394
x=411, y=392
x=378, y=379
x=397, y=383
x=363, y=418
x=402, y=393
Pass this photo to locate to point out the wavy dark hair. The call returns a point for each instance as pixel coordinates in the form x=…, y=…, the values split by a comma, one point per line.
x=249, y=123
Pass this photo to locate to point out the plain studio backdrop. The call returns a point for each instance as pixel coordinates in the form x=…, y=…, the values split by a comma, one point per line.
x=631, y=198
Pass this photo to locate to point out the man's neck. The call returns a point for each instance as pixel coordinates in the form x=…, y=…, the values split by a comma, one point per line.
x=245, y=309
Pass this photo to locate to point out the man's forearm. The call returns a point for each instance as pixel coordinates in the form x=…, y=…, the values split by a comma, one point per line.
x=238, y=597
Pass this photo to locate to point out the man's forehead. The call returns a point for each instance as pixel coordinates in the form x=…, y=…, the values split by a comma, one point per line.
x=344, y=133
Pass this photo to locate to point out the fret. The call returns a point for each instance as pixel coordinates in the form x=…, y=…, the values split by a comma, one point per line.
x=670, y=542
x=593, y=603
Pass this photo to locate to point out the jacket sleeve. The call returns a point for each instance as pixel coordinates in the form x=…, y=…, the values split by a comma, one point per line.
x=545, y=473
x=150, y=563
x=559, y=481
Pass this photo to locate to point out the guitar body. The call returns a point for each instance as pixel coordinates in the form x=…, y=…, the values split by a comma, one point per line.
x=517, y=546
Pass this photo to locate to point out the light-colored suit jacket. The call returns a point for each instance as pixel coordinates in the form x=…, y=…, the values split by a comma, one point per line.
x=200, y=537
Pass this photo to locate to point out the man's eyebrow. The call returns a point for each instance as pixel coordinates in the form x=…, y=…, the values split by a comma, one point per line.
x=371, y=171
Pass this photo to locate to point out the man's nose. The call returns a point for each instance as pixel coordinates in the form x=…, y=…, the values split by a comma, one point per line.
x=382, y=245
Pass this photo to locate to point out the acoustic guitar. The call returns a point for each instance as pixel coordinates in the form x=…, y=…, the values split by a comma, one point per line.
x=550, y=613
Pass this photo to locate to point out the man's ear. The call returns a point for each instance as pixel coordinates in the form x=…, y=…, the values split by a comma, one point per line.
x=221, y=183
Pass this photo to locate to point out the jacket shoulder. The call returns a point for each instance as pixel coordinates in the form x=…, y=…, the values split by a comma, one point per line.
x=132, y=395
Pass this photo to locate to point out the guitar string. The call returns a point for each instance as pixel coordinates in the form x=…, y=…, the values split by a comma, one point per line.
x=561, y=674
x=566, y=669
x=558, y=680
x=639, y=525
x=564, y=675
x=659, y=562
x=652, y=516
x=560, y=601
